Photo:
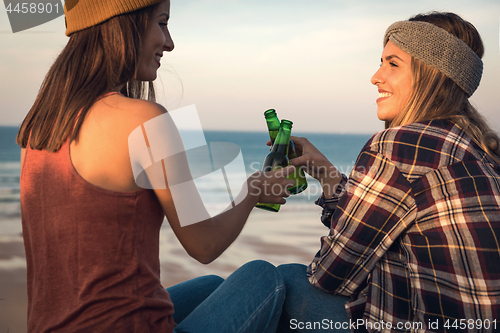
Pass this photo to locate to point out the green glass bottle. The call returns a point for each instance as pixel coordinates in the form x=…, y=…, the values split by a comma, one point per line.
x=273, y=125
x=298, y=176
x=277, y=158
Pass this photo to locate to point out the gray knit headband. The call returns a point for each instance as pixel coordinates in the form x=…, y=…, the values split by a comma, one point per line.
x=439, y=49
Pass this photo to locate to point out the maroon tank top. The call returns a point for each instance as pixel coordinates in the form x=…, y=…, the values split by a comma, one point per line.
x=92, y=254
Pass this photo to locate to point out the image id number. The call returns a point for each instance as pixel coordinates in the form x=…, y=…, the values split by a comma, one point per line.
x=478, y=324
x=33, y=8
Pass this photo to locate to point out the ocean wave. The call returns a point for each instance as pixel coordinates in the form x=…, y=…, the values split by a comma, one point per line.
x=13, y=263
x=10, y=209
x=9, y=181
x=9, y=195
x=10, y=166
x=9, y=191
x=11, y=238
x=10, y=198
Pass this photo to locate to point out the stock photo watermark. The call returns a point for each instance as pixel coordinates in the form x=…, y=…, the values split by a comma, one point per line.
x=24, y=15
x=359, y=324
x=364, y=324
x=171, y=151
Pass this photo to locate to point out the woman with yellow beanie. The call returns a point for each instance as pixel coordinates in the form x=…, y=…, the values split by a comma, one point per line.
x=91, y=233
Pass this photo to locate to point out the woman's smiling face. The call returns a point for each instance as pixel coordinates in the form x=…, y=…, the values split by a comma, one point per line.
x=394, y=82
x=156, y=40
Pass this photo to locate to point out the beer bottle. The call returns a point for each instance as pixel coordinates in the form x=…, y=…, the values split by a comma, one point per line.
x=277, y=158
x=273, y=125
x=298, y=175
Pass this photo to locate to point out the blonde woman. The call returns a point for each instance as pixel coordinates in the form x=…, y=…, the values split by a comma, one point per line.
x=414, y=230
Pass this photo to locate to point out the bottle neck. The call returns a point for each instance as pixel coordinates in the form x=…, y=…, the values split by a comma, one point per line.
x=273, y=126
x=280, y=149
x=281, y=143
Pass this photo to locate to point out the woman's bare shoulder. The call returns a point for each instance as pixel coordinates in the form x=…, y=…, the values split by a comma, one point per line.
x=101, y=154
x=126, y=113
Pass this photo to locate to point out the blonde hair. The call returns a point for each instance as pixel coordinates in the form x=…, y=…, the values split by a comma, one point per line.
x=435, y=96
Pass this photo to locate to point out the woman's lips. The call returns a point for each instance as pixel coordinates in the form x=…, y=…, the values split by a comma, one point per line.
x=158, y=58
x=383, y=95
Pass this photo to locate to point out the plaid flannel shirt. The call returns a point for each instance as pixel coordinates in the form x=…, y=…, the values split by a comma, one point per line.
x=415, y=235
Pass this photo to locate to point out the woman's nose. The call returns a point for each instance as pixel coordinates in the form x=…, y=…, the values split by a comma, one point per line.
x=377, y=77
x=169, y=43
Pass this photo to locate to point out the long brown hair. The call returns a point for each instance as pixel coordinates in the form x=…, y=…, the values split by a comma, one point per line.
x=95, y=61
x=435, y=96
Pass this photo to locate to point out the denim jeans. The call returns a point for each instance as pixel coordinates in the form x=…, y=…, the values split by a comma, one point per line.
x=249, y=300
x=308, y=309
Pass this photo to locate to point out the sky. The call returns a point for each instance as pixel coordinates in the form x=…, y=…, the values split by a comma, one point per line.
x=310, y=60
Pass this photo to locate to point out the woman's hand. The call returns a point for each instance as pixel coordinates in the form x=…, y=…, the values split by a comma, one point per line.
x=272, y=186
x=316, y=165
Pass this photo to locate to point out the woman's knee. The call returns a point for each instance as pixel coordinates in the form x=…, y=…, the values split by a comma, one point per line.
x=262, y=273
x=213, y=280
x=287, y=269
x=261, y=268
x=293, y=273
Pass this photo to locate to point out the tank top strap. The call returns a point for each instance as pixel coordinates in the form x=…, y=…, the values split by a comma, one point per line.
x=109, y=94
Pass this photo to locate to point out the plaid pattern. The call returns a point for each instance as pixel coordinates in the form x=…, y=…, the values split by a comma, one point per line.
x=415, y=237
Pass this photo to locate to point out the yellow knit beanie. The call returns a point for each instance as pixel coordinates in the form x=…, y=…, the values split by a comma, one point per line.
x=83, y=14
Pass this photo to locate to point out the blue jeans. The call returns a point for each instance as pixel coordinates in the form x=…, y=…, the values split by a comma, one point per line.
x=308, y=309
x=249, y=300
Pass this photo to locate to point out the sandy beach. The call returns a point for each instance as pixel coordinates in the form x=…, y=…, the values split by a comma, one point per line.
x=13, y=298
x=286, y=237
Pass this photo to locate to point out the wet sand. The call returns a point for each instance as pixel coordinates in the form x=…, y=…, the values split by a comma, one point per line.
x=13, y=298
x=286, y=237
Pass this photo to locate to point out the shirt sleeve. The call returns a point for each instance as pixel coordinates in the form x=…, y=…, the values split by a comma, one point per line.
x=368, y=218
x=329, y=205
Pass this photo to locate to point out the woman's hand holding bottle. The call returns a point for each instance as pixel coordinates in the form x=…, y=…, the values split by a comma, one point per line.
x=271, y=186
x=316, y=165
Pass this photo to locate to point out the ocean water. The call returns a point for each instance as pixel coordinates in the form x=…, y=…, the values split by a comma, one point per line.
x=10, y=208
x=341, y=149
